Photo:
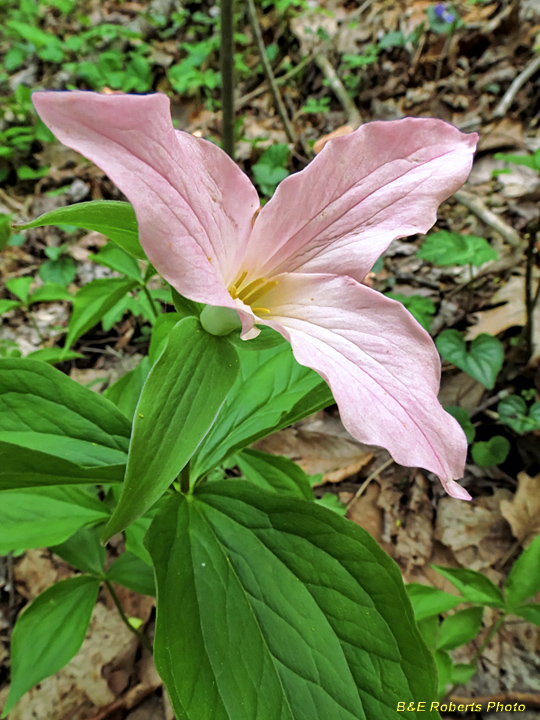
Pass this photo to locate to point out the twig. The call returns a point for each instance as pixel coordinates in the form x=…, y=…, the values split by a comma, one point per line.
x=477, y=206
x=366, y=482
x=140, y=637
x=248, y=97
x=492, y=267
x=227, y=76
x=516, y=85
x=252, y=12
x=530, y=700
x=354, y=117
x=531, y=296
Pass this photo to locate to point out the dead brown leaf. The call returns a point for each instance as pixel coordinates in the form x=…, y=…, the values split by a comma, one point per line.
x=366, y=513
x=460, y=389
x=523, y=510
x=415, y=533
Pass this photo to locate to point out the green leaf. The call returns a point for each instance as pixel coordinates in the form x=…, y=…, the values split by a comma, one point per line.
x=179, y=402
x=50, y=292
x=160, y=334
x=53, y=355
x=115, y=258
x=285, y=600
x=333, y=503
x=185, y=307
x=20, y=287
x=271, y=169
x=524, y=579
x=530, y=613
x=267, y=338
x=460, y=628
x=43, y=409
x=463, y=418
x=7, y=305
x=32, y=468
x=274, y=473
x=429, y=601
x=421, y=308
x=531, y=161
x=475, y=587
x=483, y=361
x=91, y=303
x=445, y=667
x=116, y=220
x=462, y=673
x=35, y=518
x=59, y=272
x=135, y=534
x=49, y=633
x=514, y=412
x=130, y=571
x=449, y=248
x=84, y=551
x=271, y=392
x=493, y=452
x=126, y=391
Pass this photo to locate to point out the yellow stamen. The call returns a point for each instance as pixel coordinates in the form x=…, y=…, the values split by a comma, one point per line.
x=261, y=311
x=252, y=285
x=259, y=292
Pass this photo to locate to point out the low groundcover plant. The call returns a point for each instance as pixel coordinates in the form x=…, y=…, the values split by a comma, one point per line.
x=268, y=606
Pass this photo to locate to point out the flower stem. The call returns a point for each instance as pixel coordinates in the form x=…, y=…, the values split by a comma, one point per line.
x=227, y=76
x=140, y=637
x=151, y=301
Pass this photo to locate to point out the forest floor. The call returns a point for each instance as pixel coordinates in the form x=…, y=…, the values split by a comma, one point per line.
x=474, y=64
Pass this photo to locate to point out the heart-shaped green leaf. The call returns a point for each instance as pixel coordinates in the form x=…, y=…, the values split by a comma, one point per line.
x=450, y=248
x=421, y=308
x=513, y=411
x=483, y=361
x=463, y=418
x=272, y=607
x=493, y=452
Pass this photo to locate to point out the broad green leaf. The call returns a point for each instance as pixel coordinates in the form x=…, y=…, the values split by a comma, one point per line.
x=483, y=361
x=115, y=258
x=271, y=392
x=493, y=452
x=449, y=248
x=160, y=333
x=92, y=301
x=333, y=503
x=43, y=409
x=179, y=402
x=524, y=579
x=475, y=587
x=53, y=355
x=49, y=633
x=60, y=271
x=135, y=534
x=130, y=571
x=530, y=613
x=429, y=629
x=274, y=473
x=445, y=668
x=185, y=307
x=39, y=517
x=267, y=338
x=462, y=673
x=116, y=220
x=83, y=550
x=463, y=418
x=514, y=412
x=460, y=628
x=7, y=305
x=20, y=286
x=421, y=308
x=273, y=608
x=50, y=292
x=531, y=161
x=22, y=467
x=126, y=391
x=429, y=601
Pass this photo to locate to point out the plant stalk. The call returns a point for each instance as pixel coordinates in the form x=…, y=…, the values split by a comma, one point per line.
x=140, y=637
x=227, y=76
x=151, y=301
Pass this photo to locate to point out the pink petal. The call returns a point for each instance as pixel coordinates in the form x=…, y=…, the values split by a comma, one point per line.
x=193, y=204
x=381, y=365
x=383, y=181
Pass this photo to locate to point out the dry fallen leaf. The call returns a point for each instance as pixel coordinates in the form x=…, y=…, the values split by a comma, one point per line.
x=366, y=513
x=509, y=314
x=415, y=534
x=460, y=389
x=523, y=510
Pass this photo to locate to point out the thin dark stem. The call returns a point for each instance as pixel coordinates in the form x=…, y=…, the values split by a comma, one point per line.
x=252, y=12
x=531, y=297
x=140, y=637
x=151, y=301
x=227, y=76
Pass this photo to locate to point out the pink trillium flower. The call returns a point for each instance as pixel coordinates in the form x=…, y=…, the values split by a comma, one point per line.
x=298, y=268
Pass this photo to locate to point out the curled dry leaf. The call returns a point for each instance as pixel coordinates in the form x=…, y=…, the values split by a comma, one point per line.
x=523, y=510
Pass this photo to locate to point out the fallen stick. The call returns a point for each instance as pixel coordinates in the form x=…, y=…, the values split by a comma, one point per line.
x=477, y=206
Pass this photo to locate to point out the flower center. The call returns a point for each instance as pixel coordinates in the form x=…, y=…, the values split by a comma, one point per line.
x=252, y=291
